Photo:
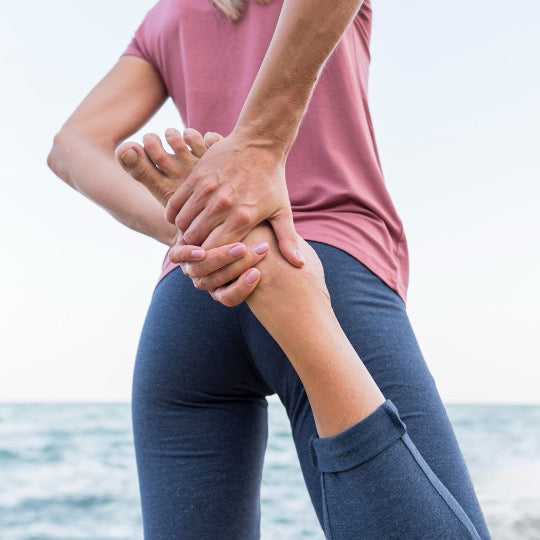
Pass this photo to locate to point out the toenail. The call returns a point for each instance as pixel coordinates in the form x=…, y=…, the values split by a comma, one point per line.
x=129, y=157
x=171, y=132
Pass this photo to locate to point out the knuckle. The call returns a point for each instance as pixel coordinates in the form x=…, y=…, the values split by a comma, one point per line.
x=227, y=300
x=138, y=169
x=242, y=217
x=161, y=159
x=189, y=237
x=196, y=271
x=180, y=222
x=176, y=255
x=207, y=188
x=181, y=254
x=186, y=268
x=224, y=202
x=218, y=278
x=198, y=284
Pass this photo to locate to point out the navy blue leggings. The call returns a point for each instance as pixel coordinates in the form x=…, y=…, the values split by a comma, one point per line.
x=199, y=411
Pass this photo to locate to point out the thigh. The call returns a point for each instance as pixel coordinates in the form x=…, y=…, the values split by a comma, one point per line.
x=375, y=321
x=199, y=419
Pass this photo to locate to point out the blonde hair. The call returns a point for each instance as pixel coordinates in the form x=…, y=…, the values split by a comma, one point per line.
x=234, y=9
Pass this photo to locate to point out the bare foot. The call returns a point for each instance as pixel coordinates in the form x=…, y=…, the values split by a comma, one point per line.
x=160, y=172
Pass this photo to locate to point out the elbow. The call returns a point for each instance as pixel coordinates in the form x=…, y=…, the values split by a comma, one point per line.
x=65, y=152
x=56, y=156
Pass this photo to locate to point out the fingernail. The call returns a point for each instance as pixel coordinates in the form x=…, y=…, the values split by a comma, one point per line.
x=237, y=250
x=300, y=256
x=129, y=156
x=252, y=276
x=171, y=132
x=197, y=253
x=261, y=248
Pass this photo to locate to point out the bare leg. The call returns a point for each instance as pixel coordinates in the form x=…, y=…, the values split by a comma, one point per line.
x=294, y=306
x=375, y=483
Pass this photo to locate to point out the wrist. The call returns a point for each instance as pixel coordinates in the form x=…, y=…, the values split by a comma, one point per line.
x=170, y=236
x=252, y=136
x=272, y=125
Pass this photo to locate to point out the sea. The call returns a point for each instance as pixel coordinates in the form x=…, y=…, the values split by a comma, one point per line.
x=67, y=472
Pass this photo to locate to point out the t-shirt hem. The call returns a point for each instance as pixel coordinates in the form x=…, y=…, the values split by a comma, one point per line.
x=389, y=277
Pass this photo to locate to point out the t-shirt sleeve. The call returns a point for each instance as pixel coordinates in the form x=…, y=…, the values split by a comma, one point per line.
x=134, y=49
x=139, y=44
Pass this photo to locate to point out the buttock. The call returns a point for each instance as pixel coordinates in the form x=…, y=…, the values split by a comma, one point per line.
x=192, y=347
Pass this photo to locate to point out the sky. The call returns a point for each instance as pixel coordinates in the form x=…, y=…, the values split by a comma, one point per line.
x=454, y=98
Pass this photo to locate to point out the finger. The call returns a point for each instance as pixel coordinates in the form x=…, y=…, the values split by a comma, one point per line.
x=181, y=151
x=235, y=293
x=201, y=189
x=155, y=151
x=231, y=271
x=134, y=160
x=187, y=253
x=212, y=260
x=203, y=224
x=217, y=260
x=211, y=137
x=287, y=238
x=222, y=234
x=236, y=224
x=178, y=200
x=195, y=141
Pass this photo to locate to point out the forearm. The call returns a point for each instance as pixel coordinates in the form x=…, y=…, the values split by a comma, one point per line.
x=91, y=168
x=305, y=36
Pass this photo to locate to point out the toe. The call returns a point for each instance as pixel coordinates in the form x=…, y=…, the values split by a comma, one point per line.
x=135, y=161
x=181, y=151
x=195, y=141
x=127, y=155
x=211, y=137
x=155, y=151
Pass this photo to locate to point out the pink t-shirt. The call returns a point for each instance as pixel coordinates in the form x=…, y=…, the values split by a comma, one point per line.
x=333, y=173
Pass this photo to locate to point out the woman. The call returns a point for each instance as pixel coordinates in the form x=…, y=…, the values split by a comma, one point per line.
x=206, y=362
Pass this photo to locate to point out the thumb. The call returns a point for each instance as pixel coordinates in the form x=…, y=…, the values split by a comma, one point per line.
x=287, y=238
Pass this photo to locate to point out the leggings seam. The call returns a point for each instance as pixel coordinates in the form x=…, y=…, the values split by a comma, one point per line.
x=473, y=533
x=325, y=502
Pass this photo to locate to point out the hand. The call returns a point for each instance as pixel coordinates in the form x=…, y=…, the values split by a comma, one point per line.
x=237, y=184
x=218, y=267
x=162, y=174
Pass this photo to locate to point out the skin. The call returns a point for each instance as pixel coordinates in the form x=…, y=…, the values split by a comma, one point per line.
x=340, y=390
x=83, y=150
x=240, y=181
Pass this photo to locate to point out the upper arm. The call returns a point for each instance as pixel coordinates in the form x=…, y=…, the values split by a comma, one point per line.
x=120, y=104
